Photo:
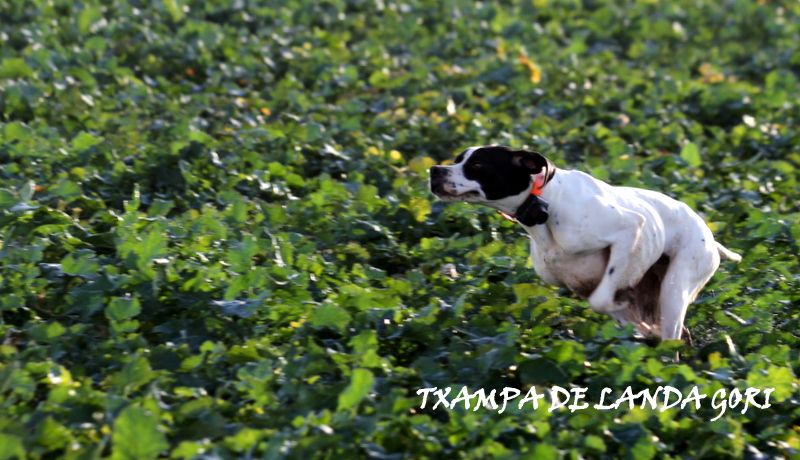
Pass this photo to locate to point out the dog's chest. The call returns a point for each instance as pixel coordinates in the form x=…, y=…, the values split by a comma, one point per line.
x=581, y=272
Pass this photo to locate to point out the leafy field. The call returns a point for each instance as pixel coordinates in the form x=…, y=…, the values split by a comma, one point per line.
x=216, y=238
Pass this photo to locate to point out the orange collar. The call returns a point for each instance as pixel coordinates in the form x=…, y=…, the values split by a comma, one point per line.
x=538, y=185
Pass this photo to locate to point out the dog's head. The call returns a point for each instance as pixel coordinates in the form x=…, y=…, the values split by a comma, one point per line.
x=493, y=175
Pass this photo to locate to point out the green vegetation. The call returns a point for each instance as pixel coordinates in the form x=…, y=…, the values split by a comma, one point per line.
x=216, y=236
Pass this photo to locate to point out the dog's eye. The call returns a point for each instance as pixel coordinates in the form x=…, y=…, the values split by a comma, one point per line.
x=477, y=165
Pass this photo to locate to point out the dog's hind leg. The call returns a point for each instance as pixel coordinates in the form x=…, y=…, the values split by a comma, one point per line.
x=635, y=245
x=688, y=272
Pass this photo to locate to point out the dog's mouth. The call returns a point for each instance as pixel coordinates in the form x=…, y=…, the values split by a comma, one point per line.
x=470, y=194
x=446, y=195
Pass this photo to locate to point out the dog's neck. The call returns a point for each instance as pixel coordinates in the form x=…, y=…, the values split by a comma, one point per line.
x=541, y=233
x=527, y=211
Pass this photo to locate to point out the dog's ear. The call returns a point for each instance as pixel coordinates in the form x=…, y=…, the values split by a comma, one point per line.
x=534, y=163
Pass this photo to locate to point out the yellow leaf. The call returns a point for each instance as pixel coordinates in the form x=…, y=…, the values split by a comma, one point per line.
x=421, y=165
x=710, y=74
x=533, y=68
x=420, y=208
x=715, y=360
x=266, y=111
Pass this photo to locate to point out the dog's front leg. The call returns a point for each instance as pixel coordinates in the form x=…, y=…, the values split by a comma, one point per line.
x=629, y=258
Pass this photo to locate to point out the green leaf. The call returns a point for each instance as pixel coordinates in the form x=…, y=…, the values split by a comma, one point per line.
x=80, y=263
x=136, y=435
x=777, y=377
x=542, y=451
x=153, y=245
x=175, y=9
x=246, y=439
x=66, y=189
x=47, y=331
x=360, y=385
x=541, y=371
x=365, y=346
x=241, y=255
x=11, y=447
x=88, y=16
x=144, y=249
x=85, y=141
x=15, y=68
x=52, y=434
x=134, y=375
x=643, y=449
x=330, y=315
x=16, y=131
x=201, y=137
x=594, y=443
x=7, y=199
x=123, y=308
x=691, y=155
x=188, y=450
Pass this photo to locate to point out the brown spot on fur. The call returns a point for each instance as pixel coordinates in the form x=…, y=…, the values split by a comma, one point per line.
x=643, y=298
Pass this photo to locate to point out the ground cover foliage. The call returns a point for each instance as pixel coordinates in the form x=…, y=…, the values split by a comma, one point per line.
x=217, y=238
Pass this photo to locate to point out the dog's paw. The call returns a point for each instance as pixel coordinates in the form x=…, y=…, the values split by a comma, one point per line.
x=602, y=302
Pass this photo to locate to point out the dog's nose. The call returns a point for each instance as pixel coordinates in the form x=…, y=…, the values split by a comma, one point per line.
x=437, y=172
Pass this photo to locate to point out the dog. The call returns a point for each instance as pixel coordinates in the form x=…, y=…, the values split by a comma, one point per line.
x=637, y=255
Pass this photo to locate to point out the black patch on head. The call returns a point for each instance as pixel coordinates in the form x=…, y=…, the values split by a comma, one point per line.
x=503, y=172
x=611, y=271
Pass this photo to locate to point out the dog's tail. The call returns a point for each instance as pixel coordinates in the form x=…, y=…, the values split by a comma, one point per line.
x=726, y=253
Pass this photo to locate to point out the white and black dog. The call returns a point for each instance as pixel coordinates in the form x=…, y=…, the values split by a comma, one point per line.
x=637, y=255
